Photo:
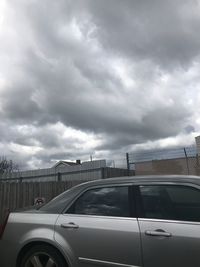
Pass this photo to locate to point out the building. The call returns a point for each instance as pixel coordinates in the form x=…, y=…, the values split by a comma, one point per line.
x=182, y=166
x=68, y=171
x=197, y=139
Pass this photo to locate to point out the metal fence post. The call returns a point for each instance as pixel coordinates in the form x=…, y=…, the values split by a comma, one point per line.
x=187, y=163
x=59, y=177
x=128, y=163
x=103, y=173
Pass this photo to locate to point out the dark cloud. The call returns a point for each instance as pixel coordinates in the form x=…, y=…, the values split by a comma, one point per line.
x=111, y=74
x=189, y=129
x=164, y=32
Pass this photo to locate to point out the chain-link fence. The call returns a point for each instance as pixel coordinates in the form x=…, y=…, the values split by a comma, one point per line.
x=184, y=161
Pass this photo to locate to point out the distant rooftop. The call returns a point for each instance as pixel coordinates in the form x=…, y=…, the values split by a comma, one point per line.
x=66, y=163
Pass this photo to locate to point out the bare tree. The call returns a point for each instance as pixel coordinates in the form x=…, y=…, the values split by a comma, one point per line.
x=7, y=166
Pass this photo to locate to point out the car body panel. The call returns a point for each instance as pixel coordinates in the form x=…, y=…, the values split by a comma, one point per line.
x=169, y=242
x=22, y=229
x=181, y=248
x=101, y=239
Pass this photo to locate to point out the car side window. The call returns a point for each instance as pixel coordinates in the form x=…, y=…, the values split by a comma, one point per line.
x=106, y=201
x=171, y=202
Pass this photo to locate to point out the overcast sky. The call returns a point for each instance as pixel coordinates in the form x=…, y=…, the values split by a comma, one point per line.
x=97, y=77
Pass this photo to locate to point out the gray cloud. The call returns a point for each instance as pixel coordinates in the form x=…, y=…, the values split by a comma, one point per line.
x=120, y=72
x=164, y=32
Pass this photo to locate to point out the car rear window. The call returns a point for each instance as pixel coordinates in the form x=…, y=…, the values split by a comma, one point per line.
x=106, y=201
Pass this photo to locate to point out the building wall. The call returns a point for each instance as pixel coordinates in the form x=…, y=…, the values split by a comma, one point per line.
x=86, y=170
x=197, y=139
x=170, y=166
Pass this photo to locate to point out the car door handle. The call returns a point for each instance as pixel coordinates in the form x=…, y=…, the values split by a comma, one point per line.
x=158, y=232
x=70, y=225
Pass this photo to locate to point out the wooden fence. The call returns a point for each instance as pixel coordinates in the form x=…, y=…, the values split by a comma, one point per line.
x=18, y=195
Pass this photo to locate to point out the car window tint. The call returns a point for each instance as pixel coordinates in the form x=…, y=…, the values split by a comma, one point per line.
x=109, y=201
x=172, y=202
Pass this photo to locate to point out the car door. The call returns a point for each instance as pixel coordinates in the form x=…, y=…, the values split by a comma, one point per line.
x=100, y=230
x=169, y=220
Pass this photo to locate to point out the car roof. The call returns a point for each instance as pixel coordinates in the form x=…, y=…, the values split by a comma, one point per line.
x=142, y=179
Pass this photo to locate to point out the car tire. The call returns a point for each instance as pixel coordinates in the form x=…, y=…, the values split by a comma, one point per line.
x=41, y=256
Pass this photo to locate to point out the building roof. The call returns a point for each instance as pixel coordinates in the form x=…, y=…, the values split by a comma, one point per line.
x=65, y=163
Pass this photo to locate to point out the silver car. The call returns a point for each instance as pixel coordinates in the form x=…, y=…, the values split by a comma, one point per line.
x=146, y=221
